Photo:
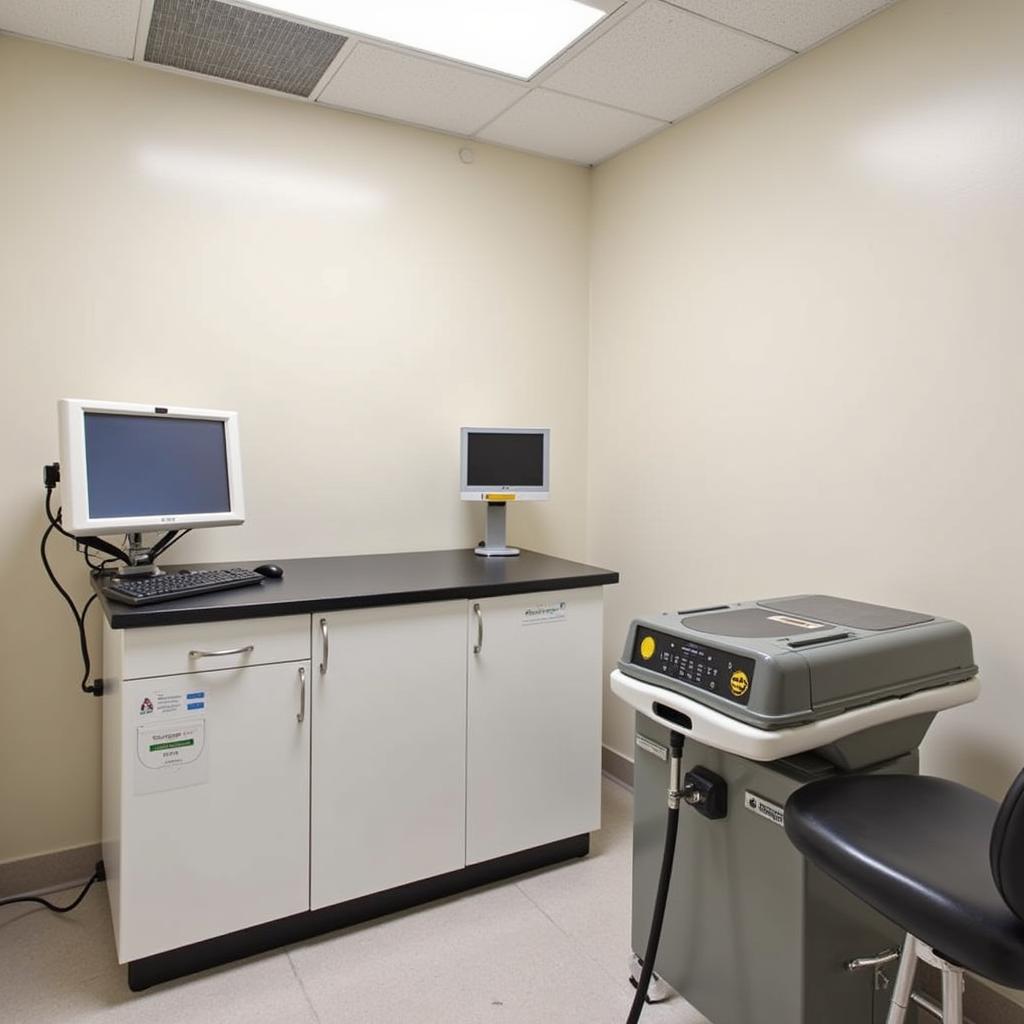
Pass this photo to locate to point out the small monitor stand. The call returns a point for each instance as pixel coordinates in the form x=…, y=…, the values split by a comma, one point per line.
x=494, y=544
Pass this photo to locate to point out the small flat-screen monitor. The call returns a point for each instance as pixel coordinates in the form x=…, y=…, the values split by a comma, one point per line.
x=501, y=463
x=131, y=468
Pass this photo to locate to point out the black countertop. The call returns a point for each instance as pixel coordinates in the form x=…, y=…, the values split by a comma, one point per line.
x=366, y=581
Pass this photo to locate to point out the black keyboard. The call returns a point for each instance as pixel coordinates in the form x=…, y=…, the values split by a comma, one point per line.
x=170, y=585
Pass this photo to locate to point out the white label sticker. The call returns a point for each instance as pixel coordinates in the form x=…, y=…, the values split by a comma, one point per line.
x=540, y=613
x=161, y=703
x=788, y=620
x=764, y=808
x=171, y=756
x=173, y=746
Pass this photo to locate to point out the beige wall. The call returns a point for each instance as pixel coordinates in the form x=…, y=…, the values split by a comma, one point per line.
x=350, y=286
x=806, y=362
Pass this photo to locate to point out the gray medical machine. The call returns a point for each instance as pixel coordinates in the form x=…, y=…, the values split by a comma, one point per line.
x=770, y=695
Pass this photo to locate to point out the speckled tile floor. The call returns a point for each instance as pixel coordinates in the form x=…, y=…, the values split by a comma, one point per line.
x=545, y=948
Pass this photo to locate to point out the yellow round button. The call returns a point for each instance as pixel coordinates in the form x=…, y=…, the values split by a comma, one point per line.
x=647, y=648
x=739, y=683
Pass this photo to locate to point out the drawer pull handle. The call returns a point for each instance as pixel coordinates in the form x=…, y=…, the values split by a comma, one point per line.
x=327, y=647
x=222, y=654
x=301, y=716
x=479, y=645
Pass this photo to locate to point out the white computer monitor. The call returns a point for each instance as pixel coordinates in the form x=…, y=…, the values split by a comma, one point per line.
x=505, y=464
x=129, y=468
x=501, y=465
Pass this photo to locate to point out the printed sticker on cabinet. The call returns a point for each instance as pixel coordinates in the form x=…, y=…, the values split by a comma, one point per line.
x=171, y=756
x=540, y=614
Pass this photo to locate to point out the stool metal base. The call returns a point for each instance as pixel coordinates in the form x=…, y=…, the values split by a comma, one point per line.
x=903, y=989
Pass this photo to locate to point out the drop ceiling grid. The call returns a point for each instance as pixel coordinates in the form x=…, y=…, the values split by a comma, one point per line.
x=554, y=124
x=646, y=64
x=665, y=62
x=795, y=24
x=388, y=83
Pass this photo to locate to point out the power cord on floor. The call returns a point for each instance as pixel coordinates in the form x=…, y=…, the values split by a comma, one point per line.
x=99, y=875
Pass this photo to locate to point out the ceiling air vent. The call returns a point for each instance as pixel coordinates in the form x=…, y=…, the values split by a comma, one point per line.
x=218, y=39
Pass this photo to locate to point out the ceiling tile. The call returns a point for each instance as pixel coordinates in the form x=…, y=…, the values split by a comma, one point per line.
x=570, y=128
x=105, y=26
x=665, y=62
x=797, y=24
x=375, y=80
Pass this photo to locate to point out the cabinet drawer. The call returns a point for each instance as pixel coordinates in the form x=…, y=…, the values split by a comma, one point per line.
x=208, y=646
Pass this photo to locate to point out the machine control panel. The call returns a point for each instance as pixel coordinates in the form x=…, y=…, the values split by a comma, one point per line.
x=707, y=668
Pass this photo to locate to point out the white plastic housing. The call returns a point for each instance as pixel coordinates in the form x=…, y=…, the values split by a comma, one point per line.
x=502, y=492
x=74, y=471
x=714, y=729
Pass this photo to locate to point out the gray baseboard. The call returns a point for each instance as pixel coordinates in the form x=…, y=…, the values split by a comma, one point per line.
x=617, y=766
x=48, y=872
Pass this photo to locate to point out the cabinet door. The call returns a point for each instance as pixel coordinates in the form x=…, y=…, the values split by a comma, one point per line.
x=215, y=800
x=533, y=763
x=389, y=748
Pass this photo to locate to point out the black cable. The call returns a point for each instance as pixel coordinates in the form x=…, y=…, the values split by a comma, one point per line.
x=661, y=899
x=79, y=616
x=56, y=521
x=97, y=877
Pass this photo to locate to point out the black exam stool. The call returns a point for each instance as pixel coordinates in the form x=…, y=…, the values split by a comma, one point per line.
x=943, y=862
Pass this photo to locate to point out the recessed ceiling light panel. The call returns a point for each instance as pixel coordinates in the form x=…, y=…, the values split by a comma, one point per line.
x=515, y=37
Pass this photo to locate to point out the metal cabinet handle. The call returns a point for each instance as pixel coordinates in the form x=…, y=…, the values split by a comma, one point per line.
x=301, y=716
x=479, y=645
x=327, y=647
x=222, y=654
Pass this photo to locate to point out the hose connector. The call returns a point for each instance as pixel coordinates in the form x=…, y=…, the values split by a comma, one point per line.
x=675, y=792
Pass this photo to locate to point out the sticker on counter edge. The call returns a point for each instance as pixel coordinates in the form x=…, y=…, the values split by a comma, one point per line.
x=764, y=808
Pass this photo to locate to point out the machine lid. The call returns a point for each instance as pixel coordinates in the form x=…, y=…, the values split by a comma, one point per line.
x=841, y=612
x=752, y=622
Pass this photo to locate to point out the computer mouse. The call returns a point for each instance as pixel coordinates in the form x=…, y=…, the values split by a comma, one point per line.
x=271, y=571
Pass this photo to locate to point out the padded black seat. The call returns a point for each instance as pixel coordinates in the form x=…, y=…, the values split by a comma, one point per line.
x=933, y=856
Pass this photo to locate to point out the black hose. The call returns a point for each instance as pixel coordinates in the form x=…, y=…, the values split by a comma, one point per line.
x=661, y=899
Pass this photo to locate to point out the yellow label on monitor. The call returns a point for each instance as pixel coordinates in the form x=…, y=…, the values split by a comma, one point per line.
x=500, y=497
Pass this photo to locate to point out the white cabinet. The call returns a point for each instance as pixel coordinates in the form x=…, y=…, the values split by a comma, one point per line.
x=214, y=803
x=260, y=768
x=533, y=761
x=389, y=736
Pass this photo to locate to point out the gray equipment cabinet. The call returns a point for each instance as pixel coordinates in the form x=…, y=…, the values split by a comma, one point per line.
x=769, y=696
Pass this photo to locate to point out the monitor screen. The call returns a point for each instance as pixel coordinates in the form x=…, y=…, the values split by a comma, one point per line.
x=515, y=459
x=155, y=466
